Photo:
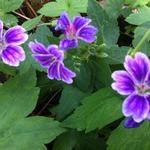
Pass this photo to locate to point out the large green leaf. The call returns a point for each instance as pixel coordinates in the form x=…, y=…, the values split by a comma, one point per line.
x=107, y=26
x=56, y=8
x=84, y=77
x=18, y=99
x=79, y=141
x=130, y=139
x=70, y=99
x=97, y=111
x=114, y=7
x=7, y=69
x=140, y=17
x=116, y=55
x=101, y=72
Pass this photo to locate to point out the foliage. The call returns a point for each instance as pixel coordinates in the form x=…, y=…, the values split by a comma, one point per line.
x=86, y=115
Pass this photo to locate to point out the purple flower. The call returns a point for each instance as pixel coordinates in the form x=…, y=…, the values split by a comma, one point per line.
x=52, y=59
x=10, y=51
x=78, y=29
x=135, y=82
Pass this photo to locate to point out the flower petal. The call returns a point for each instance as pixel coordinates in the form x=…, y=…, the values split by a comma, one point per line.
x=15, y=36
x=44, y=60
x=137, y=67
x=136, y=106
x=87, y=34
x=37, y=48
x=130, y=123
x=80, y=22
x=66, y=74
x=66, y=44
x=12, y=55
x=63, y=22
x=54, y=71
x=1, y=30
x=53, y=50
x=124, y=84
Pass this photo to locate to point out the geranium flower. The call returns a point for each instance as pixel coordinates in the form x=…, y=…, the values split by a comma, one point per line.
x=78, y=29
x=52, y=58
x=135, y=82
x=10, y=51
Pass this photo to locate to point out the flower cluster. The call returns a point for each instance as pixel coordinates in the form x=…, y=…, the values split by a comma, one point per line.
x=134, y=82
x=52, y=57
x=78, y=29
x=10, y=51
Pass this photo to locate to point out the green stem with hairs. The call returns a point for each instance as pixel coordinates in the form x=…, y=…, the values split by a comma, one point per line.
x=132, y=52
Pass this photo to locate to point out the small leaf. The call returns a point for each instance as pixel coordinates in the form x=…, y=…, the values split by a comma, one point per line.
x=137, y=2
x=140, y=17
x=9, y=20
x=32, y=23
x=138, y=34
x=54, y=9
x=10, y=5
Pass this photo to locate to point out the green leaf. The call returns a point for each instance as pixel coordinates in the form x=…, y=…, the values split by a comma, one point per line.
x=70, y=99
x=54, y=9
x=140, y=17
x=10, y=5
x=138, y=34
x=97, y=111
x=107, y=26
x=66, y=141
x=79, y=141
x=7, y=69
x=101, y=72
x=31, y=133
x=116, y=55
x=9, y=20
x=114, y=7
x=83, y=81
x=130, y=139
x=135, y=3
x=32, y=23
x=16, y=103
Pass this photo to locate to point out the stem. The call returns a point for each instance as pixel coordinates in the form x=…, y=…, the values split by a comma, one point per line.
x=20, y=15
x=44, y=24
x=132, y=53
x=30, y=7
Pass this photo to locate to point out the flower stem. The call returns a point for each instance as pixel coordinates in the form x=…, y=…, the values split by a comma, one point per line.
x=132, y=52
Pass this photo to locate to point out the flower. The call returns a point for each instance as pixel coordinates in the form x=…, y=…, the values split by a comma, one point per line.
x=10, y=51
x=134, y=82
x=78, y=29
x=52, y=59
